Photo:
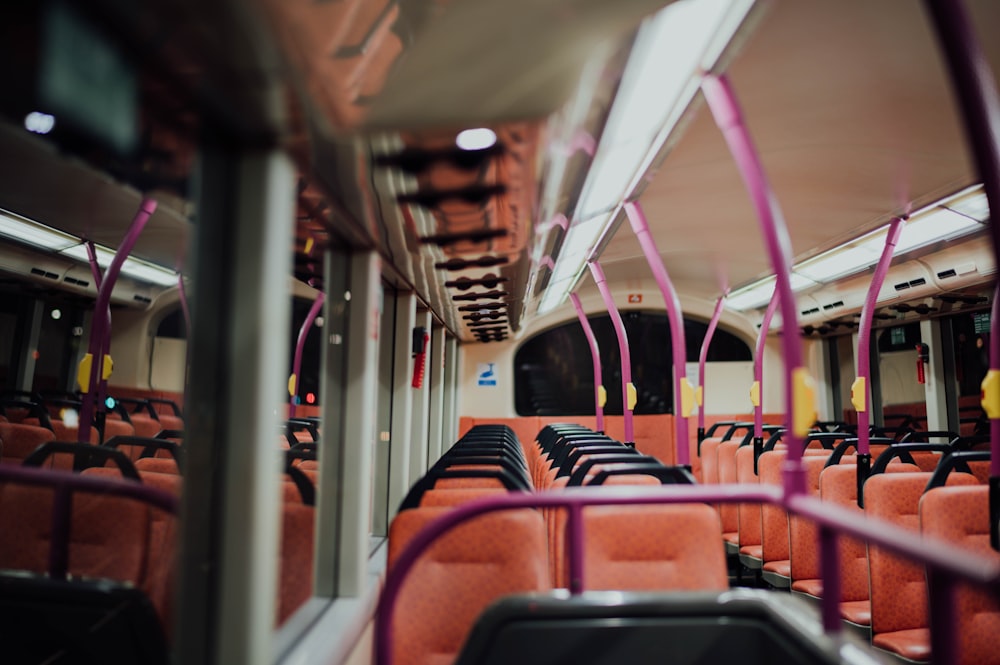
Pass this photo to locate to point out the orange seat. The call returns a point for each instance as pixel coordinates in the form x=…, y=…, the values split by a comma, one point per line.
x=157, y=465
x=664, y=547
x=776, y=568
x=748, y=514
x=898, y=587
x=296, y=557
x=729, y=512
x=803, y=534
x=961, y=517
x=19, y=441
x=459, y=575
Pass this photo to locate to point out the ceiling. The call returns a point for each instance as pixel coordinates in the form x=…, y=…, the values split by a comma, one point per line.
x=852, y=114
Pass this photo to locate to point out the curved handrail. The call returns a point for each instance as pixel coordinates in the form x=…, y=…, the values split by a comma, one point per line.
x=720, y=305
x=979, y=101
x=628, y=389
x=757, y=392
x=300, y=343
x=683, y=393
x=595, y=356
x=798, y=386
x=100, y=330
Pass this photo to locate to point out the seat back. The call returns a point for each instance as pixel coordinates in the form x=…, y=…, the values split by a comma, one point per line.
x=296, y=557
x=665, y=547
x=898, y=587
x=961, y=516
x=774, y=520
x=748, y=514
x=726, y=459
x=803, y=535
x=19, y=441
x=459, y=575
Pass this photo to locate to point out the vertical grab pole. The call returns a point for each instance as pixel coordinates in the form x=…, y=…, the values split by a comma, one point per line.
x=100, y=330
x=979, y=100
x=720, y=305
x=860, y=390
x=757, y=390
x=799, y=389
x=600, y=395
x=300, y=344
x=628, y=389
x=95, y=271
x=684, y=398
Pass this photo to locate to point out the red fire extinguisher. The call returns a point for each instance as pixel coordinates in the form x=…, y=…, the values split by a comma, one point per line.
x=923, y=356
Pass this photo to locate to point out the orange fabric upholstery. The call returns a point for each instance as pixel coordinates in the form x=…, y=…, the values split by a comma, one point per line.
x=729, y=513
x=803, y=535
x=108, y=535
x=296, y=567
x=898, y=587
x=774, y=520
x=459, y=575
x=667, y=547
x=748, y=514
x=961, y=517
x=710, y=460
x=157, y=581
x=114, y=427
x=20, y=440
x=437, y=498
x=468, y=483
x=157, y=465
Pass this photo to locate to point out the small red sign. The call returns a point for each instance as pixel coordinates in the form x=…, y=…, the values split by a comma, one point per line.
x=634, y=298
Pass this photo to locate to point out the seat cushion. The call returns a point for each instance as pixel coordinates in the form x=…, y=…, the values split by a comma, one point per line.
x=913, y=644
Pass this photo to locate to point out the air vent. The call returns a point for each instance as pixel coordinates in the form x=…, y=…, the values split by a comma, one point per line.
x=143, y=299
x=945, y=274
x=807, y=312
x=44, y=273
x=446, y=239
x=834, y=305
x=920, y=281
x=76, y=282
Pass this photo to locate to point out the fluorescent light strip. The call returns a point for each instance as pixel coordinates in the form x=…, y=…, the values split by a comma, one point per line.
x=659, y=82
x=21, y=229
x=143, y=271
x=950, y=218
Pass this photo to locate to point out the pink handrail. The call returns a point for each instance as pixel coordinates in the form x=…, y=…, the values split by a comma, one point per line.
x=100, y=331
x=722, y=101
x=758, y=376
x=95, y=271
x=720, y=305
x=976, y=89
x=863, y=382
x=626, y=356
x=300, y=344
x=595, y=356
x=640, y=226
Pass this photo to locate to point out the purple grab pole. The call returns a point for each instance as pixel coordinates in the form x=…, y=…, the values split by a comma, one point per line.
x=977, y=94
x=100, y=330
x=720, y=305
x=863, y=401
x=184, y=303
x=95, y=270
x=595, y=355
x=628, y=390
x=722, y=101
x=299, y=346
x=683, y=394
x=758, y=380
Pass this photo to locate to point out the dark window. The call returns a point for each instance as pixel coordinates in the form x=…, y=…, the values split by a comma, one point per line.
x=308, y=381
x=972, y=354
x=173, y=325
x=899, y=338
x=554, y=376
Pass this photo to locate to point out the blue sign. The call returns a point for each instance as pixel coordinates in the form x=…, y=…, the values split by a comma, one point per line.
x=486, y=374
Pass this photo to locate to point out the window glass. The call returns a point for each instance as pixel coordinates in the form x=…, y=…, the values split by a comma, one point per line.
x=554, y=372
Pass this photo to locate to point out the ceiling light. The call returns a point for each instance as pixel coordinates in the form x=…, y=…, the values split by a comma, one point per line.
x=933, y=226
x=760, y=292
x=138, y=269
x=661, y=78
x=479, y=138
x=39, y=123
x=32, y=233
